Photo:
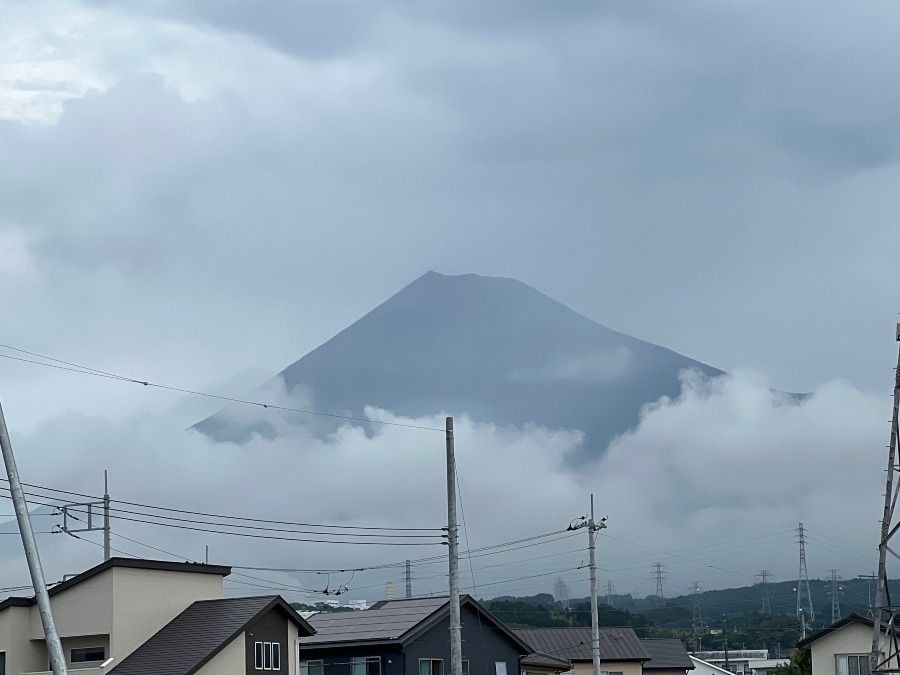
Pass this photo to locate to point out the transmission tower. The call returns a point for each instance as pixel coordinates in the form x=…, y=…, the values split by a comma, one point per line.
x=697, y=619
x=764, y=576
x=660, y=571
x=408, y=579
x=835, y=594
x=610, y=589
x=885, y=636
x=803, y=579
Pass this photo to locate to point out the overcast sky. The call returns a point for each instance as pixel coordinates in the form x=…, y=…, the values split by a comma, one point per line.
x=200, y=193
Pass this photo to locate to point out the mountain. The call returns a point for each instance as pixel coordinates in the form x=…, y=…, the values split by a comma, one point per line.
x=492, y=347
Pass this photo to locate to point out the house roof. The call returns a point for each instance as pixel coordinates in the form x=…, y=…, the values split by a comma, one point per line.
x=711, y=666
x=546, y=661
x=616, y=644
x=133, y=563
x=851, y=618
x=666, y=654
x=192, y=638
x=392, y=621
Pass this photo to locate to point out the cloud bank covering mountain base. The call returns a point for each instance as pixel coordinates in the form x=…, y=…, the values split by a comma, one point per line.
x=725, y=463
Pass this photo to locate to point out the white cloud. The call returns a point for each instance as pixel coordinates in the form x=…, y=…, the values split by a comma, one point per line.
x=725, y=463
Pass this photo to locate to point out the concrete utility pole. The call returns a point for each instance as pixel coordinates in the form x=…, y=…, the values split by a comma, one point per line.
x=885, y=638
x=54, y=646
x=106, y=530
x=453, y=545
x=593, y=528
x=803, y=576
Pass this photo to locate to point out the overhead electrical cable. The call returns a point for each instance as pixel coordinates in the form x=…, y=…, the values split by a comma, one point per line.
x=51, y=362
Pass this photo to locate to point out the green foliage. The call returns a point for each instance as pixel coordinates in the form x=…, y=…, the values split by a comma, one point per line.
x=800, y=664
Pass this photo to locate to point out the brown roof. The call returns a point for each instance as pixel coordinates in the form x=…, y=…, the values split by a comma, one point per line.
x=616, y=644
x=191, y=639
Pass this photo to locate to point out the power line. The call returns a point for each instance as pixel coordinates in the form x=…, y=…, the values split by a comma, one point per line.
x=59, y=364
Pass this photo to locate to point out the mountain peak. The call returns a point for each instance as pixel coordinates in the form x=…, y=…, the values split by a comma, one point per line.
x=492, y=347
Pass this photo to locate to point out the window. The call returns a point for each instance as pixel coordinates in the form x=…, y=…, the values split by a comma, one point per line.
x=85, y=654
x=312, y=667
x=267, y=656
x=431, y=667
x=852, y=664
x=500, y=667
x=367, y=665
x=465, y=667
x=2, y=663
x=610, y=672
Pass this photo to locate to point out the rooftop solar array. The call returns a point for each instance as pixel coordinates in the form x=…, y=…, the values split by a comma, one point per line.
x=386, y=621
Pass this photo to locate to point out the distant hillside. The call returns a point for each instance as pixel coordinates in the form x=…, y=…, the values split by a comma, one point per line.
x=651, y=617
x=492, y=347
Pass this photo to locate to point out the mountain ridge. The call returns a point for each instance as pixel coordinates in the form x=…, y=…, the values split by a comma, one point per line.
x=492, y=347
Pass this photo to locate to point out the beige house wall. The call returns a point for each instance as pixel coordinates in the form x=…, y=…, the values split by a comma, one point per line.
x=624, y=667
x=853, y=638
x=85, y=609
x=146, y=600
x=230, y=661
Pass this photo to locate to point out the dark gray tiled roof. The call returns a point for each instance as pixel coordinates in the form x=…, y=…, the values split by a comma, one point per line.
x=616, y=644
x=667, y=654
x=193, y=637
x=384, y=621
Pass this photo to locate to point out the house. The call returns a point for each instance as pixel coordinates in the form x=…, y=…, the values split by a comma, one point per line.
x=843, y=648
x=741, y=661
x=702, y=667
x=409, y=637
x=621, y=652
x=127, y=616
x=537, y=663
x=667, y=657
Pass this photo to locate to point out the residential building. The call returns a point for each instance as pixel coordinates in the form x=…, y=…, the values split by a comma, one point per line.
x=621, y=652
x=128, y=616
x=409, y=637
x=843, y=648
x=667, y=657
x=739, y=661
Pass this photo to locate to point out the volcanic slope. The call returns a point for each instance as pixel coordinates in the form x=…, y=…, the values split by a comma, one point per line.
x=491, y=347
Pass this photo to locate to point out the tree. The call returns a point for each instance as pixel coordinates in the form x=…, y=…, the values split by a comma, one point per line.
x=800, y=664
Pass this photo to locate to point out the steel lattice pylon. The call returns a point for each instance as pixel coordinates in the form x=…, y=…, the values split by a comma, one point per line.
x=885, y=638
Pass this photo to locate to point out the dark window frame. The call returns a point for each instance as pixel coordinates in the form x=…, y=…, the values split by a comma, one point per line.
x=83, y=654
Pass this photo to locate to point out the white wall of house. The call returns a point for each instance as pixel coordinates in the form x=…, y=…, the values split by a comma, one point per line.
x=854, y=638
x=232, y=660
x=293, y=636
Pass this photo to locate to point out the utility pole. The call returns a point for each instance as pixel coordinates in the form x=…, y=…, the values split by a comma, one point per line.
x=408, y=579
x=764, y=576
x=869, y=579
x=610, y=589
x=885, y=640
x=51, y=637
x=453, y=545
x=593, y=528
x=803, y=576
x=106, y=530
x=727, y=664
